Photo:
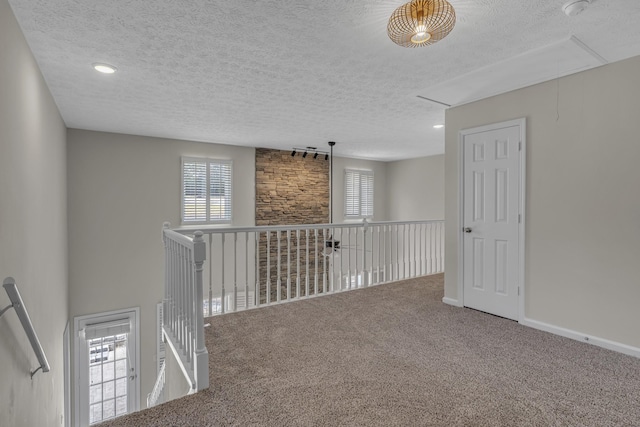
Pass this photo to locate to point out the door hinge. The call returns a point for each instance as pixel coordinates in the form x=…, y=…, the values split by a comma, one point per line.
x=518, y=290
x=519, y=218
x=519, y=145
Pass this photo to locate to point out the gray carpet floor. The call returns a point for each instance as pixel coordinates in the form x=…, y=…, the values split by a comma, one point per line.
x=395, y=355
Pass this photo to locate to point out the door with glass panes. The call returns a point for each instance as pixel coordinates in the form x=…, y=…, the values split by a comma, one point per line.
x=106, y=361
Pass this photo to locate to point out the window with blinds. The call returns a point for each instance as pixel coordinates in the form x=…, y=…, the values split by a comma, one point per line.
x=206, y=191
x=358, y=192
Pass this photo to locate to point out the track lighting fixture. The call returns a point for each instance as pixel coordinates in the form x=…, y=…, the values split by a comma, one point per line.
x=310, y=150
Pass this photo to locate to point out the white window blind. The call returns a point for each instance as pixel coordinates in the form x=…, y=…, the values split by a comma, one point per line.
x=107, y=329
x=358, y=192
x=206, y=190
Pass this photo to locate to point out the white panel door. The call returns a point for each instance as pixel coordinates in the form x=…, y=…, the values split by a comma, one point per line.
x=490, y=225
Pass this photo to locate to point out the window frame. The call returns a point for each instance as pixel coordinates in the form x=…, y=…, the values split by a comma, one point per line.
x=208, y=161
x=367, y=173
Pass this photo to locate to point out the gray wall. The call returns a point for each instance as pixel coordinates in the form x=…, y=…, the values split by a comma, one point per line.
x=33, y=232
x=176, y=385
x=415, y=189
x=121, y=189
x=582, y=204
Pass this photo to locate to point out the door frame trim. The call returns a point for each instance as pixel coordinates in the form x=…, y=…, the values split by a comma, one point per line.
x=135, y=311
x=522, y=123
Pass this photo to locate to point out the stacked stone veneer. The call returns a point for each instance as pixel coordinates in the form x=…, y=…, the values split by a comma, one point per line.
x=291, y=191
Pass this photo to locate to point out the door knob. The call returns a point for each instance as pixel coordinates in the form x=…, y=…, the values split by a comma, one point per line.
x=467, y=230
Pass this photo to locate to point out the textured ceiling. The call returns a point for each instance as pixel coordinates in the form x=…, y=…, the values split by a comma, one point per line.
x=285, y=73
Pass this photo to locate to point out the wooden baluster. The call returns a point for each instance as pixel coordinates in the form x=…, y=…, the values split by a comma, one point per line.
x=315, y=275
x=415, y=250
x=278, y=276
x=210, y=275
x=307, y=264
x=246, y=270
x=257, y=290
x=235, y=271
x=371, y=239
x=288, y=264
x=420, y=248
x=298, y=263
x=349, y=259
x=406, y=256
x=222, y=298
x=324, y=261
x=363, y=275
x=341, y=254
x=379, y=258
x=268, y=275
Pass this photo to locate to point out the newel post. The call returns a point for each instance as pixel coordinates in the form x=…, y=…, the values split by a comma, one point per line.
x=201, y=355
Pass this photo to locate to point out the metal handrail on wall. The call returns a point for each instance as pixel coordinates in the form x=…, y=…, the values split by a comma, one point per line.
x=10, y=286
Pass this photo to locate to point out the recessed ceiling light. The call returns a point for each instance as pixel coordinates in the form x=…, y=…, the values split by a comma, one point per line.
x=438, y=126
x=104, y=68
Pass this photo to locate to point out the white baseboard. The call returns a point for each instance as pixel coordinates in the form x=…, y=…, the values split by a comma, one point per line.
x=451, y=301
x=579, y=336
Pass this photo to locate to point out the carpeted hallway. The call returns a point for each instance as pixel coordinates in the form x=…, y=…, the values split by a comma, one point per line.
x=395, y=355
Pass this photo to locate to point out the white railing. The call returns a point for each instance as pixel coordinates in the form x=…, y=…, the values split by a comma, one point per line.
x=183, y=321
x=254, y=266
x=156, y=396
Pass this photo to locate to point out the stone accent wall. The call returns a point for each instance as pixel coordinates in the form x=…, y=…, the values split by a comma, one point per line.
x=291, y=191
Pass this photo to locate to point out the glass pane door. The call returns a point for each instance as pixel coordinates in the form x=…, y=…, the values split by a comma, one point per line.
x=106, y=365
x=108, y=368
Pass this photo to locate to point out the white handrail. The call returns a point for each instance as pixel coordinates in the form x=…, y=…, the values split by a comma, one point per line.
x=157, y=394
x=183, y=320
x=253, y=266
x=10, y=286
x=278, y=264
x=212, y=229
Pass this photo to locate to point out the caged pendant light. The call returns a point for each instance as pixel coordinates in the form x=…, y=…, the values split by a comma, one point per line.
x=421, y=22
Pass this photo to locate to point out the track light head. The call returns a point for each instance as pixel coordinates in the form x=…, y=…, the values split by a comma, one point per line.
x=304, y=155
x=293, y=153
x=326, y=157
x=315, y=156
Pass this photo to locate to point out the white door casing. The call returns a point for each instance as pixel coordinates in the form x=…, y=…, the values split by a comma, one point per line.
x=82, y=363
x=492, y=232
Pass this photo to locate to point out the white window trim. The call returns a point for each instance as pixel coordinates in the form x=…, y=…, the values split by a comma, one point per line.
x=208, y=160
x=106, y=316
x=362, y=172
